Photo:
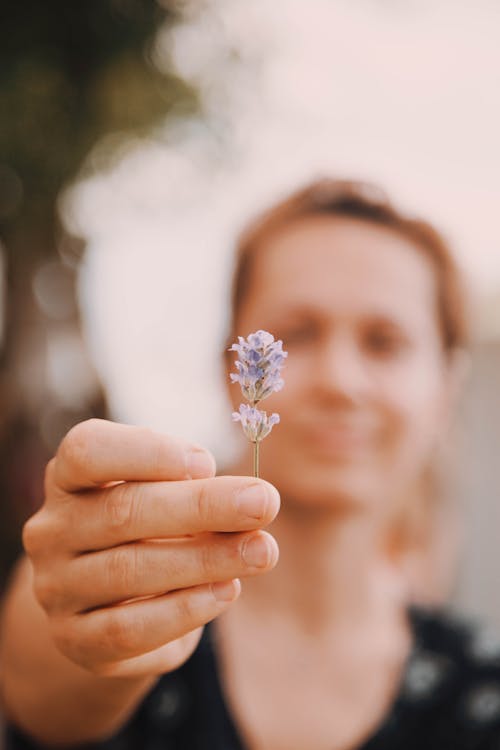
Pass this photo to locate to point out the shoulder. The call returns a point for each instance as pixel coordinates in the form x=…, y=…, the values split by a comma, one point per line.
x=450, y=691
x=459, y=647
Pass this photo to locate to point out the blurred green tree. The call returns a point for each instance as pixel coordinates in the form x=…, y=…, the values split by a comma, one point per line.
x=70, y=73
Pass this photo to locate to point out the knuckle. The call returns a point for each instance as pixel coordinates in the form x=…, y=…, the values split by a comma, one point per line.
x=104, y=669
x=65, y=638
x=207, y=560
x=162, y=449
x=44, y=534
x=204, y=505
x=30, y=535
x=75, y=448
x=185, y=609
x=122, y=632
x=46, y=591
x=166, y=452
x=120, y=507
x=52, y=490
x=35, y=533
x=122, y=568
x=72, y=641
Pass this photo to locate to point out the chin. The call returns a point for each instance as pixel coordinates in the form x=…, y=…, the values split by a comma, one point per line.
x=346, y=489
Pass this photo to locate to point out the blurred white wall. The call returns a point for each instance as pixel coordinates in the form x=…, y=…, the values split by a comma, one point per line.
x=478, y=487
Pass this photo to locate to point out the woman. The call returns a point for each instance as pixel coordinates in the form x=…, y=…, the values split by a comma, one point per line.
x=139, y=544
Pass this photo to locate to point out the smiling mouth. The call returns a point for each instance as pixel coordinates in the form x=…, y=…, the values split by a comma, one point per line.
x=340, y=441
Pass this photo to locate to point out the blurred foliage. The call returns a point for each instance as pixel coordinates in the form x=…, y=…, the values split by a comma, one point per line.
x=70, y=73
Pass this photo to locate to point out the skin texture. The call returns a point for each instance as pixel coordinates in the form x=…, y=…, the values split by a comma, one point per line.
x=127, y=560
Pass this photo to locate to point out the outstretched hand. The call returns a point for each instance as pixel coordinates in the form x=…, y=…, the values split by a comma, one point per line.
x=138, y=545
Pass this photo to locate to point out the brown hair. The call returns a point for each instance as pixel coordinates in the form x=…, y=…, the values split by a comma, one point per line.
x=366, y=202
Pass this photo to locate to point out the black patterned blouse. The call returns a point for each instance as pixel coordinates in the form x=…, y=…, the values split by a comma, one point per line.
x=449, y=698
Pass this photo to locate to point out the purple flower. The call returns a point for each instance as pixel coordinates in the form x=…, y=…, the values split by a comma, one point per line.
x=256, y=424
x=259, y=364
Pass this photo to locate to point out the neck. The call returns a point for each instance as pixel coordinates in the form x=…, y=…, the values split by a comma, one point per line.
x=333, y=569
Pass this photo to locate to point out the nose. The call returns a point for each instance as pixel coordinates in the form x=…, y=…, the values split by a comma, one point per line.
x=340, y=371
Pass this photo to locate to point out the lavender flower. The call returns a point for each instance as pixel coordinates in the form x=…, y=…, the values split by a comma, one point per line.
x=256, y=424
x=260, y=359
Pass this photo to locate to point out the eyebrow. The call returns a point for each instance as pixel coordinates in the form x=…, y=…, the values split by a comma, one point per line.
x=295, y=314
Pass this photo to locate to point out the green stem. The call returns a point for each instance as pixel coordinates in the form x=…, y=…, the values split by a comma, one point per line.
x=256, y=459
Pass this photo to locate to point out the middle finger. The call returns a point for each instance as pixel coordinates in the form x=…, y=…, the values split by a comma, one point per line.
x=153, y=568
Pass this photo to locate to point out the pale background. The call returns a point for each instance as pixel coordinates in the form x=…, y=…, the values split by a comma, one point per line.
x=404, y=93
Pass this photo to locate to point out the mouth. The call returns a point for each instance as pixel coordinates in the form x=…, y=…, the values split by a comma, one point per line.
x=338, y=441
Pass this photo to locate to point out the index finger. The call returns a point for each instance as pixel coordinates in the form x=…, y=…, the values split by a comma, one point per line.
x=97, y=451
x=135, y=511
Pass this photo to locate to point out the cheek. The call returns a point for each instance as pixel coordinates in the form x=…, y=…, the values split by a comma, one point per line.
x=414, y=419
x=298, y=383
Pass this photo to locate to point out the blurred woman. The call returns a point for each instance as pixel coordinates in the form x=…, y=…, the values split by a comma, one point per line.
x=139, y=544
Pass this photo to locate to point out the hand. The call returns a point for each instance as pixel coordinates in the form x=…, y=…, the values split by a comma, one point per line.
x=131, y=551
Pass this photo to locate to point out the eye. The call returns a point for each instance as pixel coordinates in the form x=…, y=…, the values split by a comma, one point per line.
x=301, y=333
x=383, y=342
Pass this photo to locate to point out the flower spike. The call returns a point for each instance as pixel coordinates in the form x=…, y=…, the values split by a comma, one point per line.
x=258, y=372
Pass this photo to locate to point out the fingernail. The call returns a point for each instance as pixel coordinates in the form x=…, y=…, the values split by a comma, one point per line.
x=226, y=591
x=199, y=463
x=257, y=552
x=252, y=501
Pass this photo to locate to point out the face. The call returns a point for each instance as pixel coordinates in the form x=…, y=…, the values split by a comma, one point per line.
x=365, y=396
